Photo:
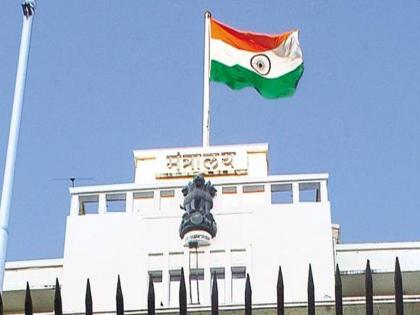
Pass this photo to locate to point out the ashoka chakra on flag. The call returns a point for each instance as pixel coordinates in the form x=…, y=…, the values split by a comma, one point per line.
x=272, y=64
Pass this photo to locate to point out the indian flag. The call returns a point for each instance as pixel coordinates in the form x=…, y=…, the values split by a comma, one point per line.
x=272, y=64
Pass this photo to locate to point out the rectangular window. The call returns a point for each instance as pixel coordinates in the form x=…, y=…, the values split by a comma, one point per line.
x=229, y=190
x=219, y=272
x=115, y=202
x=143, y=201
x=238, y=257
x=174, y=280
x=156, y=277
x=238, y=284
x=253, y=188
x=155, y=261
x=88, y=204
x=167, y=193
x=143, y=194
x=309, y=192
x=217, y=258
x=167, y=200
x=281, y=193
x=196, y=285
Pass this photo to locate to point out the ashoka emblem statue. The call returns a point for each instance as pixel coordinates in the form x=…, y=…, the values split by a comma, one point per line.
x=198, y=226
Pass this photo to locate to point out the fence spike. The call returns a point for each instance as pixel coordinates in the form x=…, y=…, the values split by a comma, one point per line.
x=88, y=299
x=151, y=297
x=28, y=301
x=280, y=293
x=248, y=296
x=214, y=296
x=119, y=298
x=58, y=304
x=182, y=295
x=369, y=289
x=311, y=293
x=1, y=305
x=338, y=292
x=398, y=285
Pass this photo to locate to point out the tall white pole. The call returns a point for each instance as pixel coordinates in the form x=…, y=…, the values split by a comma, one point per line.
x=28, y=12
x=206, y=81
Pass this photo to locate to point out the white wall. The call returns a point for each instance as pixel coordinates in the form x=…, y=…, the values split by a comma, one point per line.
x=353, y=257
x=40, y=274
x=101, y=246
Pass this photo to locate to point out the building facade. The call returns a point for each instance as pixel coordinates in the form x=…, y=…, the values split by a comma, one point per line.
x=263, y=222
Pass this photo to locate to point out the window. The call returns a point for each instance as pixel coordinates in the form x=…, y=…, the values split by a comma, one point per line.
x=143, y=201
x=238, y=257
x=88, y=204
x=167, y=193
x=196, y=285
x=238, y=284
x=219, y=272
x=229, y=190
x=176, y=260
x=281, y=193
x=115, y=203
x=309, y=192
x=156, y=277
x=167, y=200
x=174, y=280
x=143, y=195
x=253, y=188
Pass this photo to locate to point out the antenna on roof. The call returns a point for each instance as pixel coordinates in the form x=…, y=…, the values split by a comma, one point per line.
x=73, y=179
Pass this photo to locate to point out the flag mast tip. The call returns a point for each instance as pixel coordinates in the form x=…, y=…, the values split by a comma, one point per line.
x=28, y=7
x=207, y=14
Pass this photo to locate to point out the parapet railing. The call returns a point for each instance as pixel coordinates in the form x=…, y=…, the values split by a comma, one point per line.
x=284, y=189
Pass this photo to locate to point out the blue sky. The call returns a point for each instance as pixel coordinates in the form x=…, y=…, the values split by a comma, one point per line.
x=106, y=77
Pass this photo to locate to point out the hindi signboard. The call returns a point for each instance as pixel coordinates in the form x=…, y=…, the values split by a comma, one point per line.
x=202, y=161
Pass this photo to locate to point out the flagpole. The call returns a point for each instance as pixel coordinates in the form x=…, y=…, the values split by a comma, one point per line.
x=28, y=7
x=206, y=81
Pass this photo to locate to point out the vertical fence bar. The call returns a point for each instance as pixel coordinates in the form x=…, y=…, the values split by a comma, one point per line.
x=58, y=304
x=88, y=299
x=248, y=296
x=311, y=293
x=119, y=298
x=280, y=293
x=151, y=298
x=214, y=296
x=369, y=289
x=398, y=284
x=338, y=292
x=182, y=295
x=28, y=301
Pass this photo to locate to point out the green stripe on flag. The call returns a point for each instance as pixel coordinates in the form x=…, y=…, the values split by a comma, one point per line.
x=237, y=77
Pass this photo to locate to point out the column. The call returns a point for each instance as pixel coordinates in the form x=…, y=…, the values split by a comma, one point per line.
x=165, y=279
x=205, y=297
x=129, y=202
x=187, y=272
x=228, y=277
x=74, y=205
x=102, y=203
x=324, y=191
x=295, y=192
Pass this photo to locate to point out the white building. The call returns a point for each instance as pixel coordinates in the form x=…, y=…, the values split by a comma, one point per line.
x=264, y=221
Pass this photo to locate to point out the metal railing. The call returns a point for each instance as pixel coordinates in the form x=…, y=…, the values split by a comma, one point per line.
x=183, y=306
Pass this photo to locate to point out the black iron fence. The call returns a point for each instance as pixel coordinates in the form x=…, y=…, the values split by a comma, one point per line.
x=398, y=285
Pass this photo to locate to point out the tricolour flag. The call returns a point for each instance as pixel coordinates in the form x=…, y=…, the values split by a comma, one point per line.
x=272, y=64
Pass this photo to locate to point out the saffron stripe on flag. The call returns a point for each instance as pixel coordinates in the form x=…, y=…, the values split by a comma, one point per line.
x=250, y=41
